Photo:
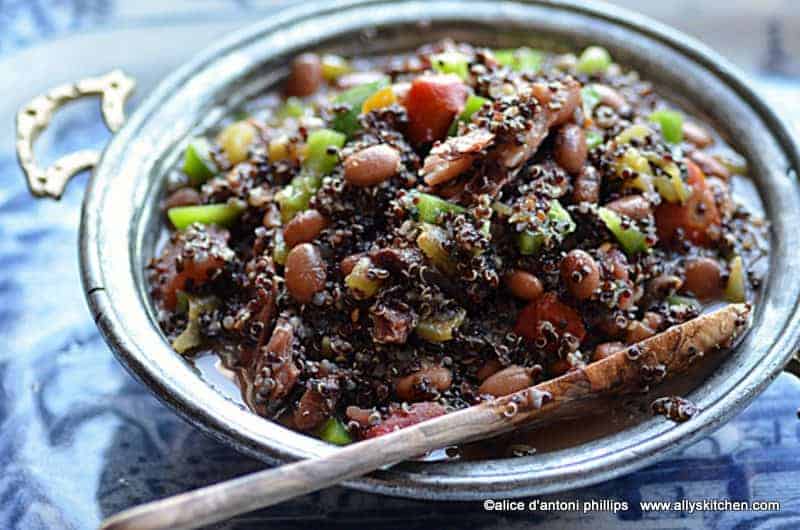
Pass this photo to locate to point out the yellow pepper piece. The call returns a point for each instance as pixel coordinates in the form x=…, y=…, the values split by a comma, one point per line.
x=380, y=99
x=279, y=149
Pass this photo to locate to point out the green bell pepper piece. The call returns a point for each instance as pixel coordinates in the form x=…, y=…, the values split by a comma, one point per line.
x=334, y=432
x=430, y=207
x=559, y=224
x=671, y=123
x=593, y=60
x=347, y=121
x=472, y=105
x=631, y=239
x=197, y=162
x=520, y=60
x=318, y=159
x=208, y=214
x=293, y=107
x=296, y=196
x=334, y=66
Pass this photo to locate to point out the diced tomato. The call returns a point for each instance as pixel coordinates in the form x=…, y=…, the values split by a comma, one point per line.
x=432, y=102
x=695, y=217
x=401, y=418
x=549, y=308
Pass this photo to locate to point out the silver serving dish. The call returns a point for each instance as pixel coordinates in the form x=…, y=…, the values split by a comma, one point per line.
x=121, y=220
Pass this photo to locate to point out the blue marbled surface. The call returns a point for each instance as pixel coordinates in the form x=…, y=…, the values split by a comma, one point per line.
x=80, y=439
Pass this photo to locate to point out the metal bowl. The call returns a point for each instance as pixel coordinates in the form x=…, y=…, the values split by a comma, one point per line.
x=121, y=220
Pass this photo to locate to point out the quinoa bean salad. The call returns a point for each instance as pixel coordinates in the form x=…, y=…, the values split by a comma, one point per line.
x=384, y=240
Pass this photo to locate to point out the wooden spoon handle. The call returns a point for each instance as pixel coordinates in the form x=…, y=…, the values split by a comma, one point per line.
x=664, y=354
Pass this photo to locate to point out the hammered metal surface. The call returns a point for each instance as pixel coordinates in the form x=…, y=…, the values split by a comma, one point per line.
x=80, y=439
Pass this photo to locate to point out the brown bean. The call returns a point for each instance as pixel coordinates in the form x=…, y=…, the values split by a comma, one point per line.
x=359, y=415
x=587, y=186
x=609, y=96
x=305, y=272
x=606, y=349
x=424, y=383
x=634, y=206
x=569, y=99
x=703, y=278
x=304, y=227
x=507, y=381
x=306, y=75
x=488, y=369
x=524, y=285
x=182, y=197
x=372, y=165
x=580, y=273
x=664, y=285
x=696, y=134
x=349, y=262
x=570, y=149
x=710, y=165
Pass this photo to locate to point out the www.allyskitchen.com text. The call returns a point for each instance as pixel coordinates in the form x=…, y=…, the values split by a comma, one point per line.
x=616, y=506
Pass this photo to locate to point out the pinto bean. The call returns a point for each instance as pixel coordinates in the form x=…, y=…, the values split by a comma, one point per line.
x=664, y=285
x=306, y=75
x=609, y=96
x=372, y=165
x=606, y=349
x=703, y=278
x=570, y=149
x=305, y=272
x=488, y=369
x=570, y=99
x=696, y=134
x=524, y=285
x=424, y=383
x=304, y=228
x=634, y=206
x=580, y=273
x=710, y=165
x=507, y=381
x=587, y=186
x=349, y=262
x=182, y=197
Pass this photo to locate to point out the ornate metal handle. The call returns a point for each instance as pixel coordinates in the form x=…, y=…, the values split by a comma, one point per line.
x=114, y=90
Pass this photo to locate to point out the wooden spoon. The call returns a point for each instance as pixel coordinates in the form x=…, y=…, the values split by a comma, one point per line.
x=632, y=368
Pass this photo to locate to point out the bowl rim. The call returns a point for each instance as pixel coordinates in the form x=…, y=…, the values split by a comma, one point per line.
x=412, y=480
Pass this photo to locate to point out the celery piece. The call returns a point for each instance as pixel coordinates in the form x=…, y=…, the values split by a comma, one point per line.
x=334, y=66
x=735, y=288
x=191, y=337
x=359, y=281
x=451, y=62
x=431, y=241
x=631, y=239
x=671, y=123
x=208, y=214
x=593, y=60
x=439, y=328
x=323, y=146
x=197, y=162
x=296, y=196
x=346, y=121
x=334, y=432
